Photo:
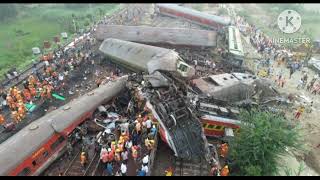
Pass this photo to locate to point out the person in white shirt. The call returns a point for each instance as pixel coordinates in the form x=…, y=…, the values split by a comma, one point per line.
x=149, y=124
x=124, y=156
x=128, y=144
x=123, y=169
x=145, y=160
x=46, y=63
x=195, y=63
x=61, y=77
x=145, y=168
x=124, y=127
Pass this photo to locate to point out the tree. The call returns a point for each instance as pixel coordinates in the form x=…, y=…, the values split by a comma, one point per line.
x=101, y=12
x=7, y=11
x=262, y=138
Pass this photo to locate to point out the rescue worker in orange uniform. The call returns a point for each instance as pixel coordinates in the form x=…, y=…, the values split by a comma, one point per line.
x=224, y=150
x=2, y=121
x=83, y=159
x=27, y=94
x=121, y=146
x=14, y=91
x=19, y=96
x=124, y=137
x=117, y=156
x=15, y=117
x=32, y=80
x=10, y=92
x=39, y=85
x=110, y=155
x=33, y=92
x=43, y=92
x=49, y=89
x=169, y=171
x=149, y=143
x=21, y=113
x=224, y=171
x=49, y=71
x=10, y=102
x=113, y=146
x=138, y=126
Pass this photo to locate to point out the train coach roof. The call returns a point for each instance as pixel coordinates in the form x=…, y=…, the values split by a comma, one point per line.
x=147, y=34
x=139, y=55
x=25, y=142
x=196, y=13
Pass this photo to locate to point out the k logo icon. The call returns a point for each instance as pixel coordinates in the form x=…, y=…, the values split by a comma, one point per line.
x=289, y=21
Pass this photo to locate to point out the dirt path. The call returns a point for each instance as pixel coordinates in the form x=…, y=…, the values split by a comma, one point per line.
x=309, y=122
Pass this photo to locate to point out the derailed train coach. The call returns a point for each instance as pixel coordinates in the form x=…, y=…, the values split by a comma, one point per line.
x=31, y=150
x=158, y=35
x=194, y=16
x=145, y=58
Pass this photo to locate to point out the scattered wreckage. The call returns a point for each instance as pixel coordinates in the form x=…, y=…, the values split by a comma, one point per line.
x=165, y=94
x=162, y=82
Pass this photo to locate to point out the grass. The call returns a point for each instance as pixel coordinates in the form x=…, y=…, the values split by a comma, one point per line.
x=40, y=23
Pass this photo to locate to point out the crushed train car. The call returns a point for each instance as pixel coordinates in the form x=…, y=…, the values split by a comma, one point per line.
x=158, y=35
x=194, y=16
x=180, y=128
x=145, y=58
x=234, y=87
x=217, y=117
x=31, y=150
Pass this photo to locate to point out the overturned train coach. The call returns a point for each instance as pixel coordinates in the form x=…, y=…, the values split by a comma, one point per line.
x=158, y=35
x=194, y=16
x=145, y=58
x=31, y=150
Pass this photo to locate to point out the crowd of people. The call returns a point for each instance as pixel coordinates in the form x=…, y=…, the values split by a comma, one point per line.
x=43, y=82
x=273, y=52
x=223, y=153
x=129, y=143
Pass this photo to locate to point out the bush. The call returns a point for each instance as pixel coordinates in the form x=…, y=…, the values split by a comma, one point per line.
x=265, y=136
x=222, y=11
x=253, y=171
x=86, y=23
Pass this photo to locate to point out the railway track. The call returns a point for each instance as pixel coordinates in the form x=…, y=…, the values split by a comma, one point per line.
x=188, y=168
x=75, y=168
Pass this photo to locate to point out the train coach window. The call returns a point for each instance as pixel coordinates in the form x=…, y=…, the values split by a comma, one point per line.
x=210, y=126
x=57, y=143
x=45, y=154
x=219, y=127
x=26, y=171
x=34, y=163
x=204, y=125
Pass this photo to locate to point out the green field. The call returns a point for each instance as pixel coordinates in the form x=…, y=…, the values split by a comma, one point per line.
x=37, y=23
